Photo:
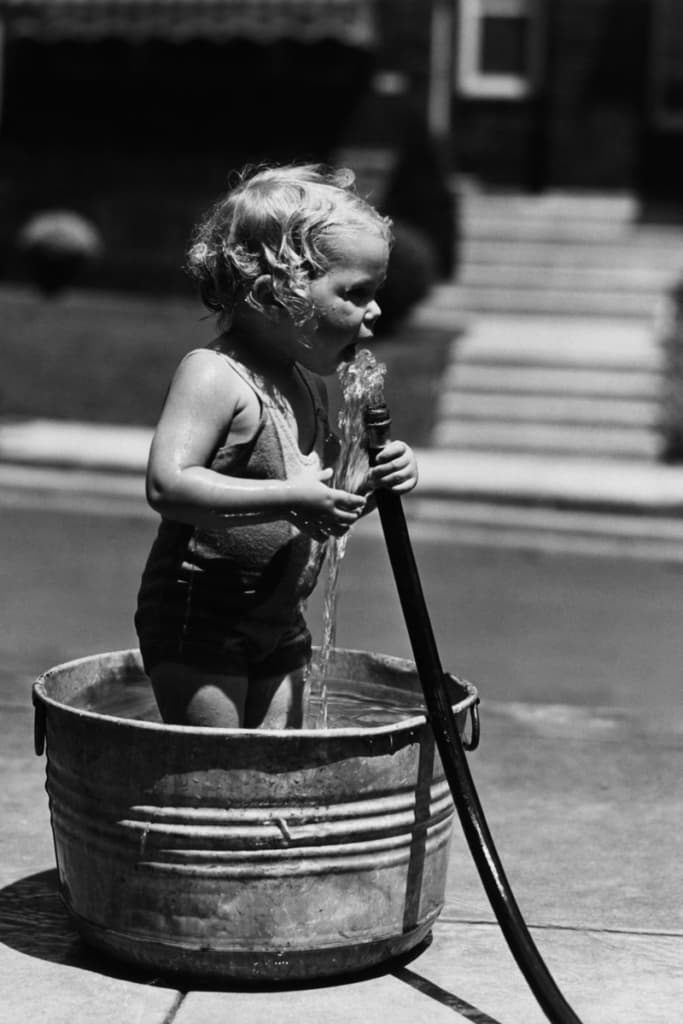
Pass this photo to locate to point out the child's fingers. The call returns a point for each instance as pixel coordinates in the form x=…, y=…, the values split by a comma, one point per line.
x=382, y=475
x=342, y=517
x=395, y=468
x=348, y=516
x=395, y=477
x=348, y=501
x=402, y=486
x=392, y=479
x=390, y=451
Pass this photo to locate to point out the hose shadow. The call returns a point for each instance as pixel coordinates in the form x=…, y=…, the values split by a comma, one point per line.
x=442, y=996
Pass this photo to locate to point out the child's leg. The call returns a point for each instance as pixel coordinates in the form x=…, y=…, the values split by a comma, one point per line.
x=188, y=695
x=276, y=702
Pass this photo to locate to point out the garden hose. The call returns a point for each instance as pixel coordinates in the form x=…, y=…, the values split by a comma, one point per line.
x=449, y=743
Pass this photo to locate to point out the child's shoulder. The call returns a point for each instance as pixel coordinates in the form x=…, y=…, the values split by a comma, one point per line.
x=207, y=373
x=209, y=362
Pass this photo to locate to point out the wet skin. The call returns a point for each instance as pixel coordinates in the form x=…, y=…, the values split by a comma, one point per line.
x=346, y=309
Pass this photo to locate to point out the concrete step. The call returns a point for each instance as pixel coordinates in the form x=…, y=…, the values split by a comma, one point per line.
x=531, y=380
x=579, y=230
x=598, y=410
x=564, y=254
x=546, y=341
x=575, y=440
x=560, y=302
x=484, y=225
x=558, y=276
x=450, y=301
x=567, y=387
x=663, y=253
x=595, y=218
x=550, y=207
x=561, y=358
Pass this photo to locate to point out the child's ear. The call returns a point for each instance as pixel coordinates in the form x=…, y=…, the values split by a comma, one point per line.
x=262, y=298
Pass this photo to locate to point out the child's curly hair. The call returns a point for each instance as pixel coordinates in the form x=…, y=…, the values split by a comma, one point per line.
x=279, y=221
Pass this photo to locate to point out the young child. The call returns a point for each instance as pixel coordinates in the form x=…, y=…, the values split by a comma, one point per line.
x=241, y=463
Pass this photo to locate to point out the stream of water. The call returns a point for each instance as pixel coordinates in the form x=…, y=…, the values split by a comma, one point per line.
x=362, y=385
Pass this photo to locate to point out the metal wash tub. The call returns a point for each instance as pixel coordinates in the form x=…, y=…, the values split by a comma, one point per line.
x=255, y=855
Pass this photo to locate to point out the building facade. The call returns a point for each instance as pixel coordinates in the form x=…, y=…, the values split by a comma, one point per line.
x=571, y=94
x=134, y=111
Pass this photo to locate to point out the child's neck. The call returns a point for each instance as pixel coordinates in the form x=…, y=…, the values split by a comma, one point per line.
x=261, y=345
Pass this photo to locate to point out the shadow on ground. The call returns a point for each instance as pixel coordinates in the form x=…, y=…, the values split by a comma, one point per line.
x=34, y=921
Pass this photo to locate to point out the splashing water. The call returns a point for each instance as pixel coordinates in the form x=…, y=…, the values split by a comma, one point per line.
x=362, y=384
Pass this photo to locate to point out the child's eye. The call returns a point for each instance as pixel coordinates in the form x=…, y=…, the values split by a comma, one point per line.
x=360, y=294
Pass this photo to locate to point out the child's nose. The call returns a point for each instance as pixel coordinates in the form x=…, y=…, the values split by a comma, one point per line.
x=373, y=310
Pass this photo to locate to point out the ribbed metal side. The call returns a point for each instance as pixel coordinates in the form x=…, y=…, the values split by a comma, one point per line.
x=246, y=856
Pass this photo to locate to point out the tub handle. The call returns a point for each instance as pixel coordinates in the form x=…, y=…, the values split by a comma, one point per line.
x=471, y=704
x=473, y=742
x=39, y=723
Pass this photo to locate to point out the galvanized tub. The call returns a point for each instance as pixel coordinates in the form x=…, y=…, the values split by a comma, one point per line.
x=246, y=854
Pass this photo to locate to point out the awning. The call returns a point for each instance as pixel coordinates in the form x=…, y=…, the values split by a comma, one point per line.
x=262, y=21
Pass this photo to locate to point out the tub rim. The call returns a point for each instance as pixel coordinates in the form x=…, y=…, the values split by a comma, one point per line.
x=42, y=701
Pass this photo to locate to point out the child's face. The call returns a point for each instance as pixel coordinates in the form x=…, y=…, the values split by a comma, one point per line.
x=344, y=301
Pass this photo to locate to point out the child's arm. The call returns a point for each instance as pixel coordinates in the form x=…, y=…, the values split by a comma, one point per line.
x=206, y=403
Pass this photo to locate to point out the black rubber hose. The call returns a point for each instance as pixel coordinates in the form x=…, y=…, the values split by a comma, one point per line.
x=450, y=745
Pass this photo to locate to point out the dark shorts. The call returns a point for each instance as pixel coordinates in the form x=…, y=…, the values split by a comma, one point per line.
x=222, y=615
x=253, y=655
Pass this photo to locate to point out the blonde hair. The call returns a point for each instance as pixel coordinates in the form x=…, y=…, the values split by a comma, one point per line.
x=280, y=221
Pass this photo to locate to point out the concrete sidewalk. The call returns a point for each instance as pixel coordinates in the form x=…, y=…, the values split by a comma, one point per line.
x=584, y=805
x=590, y=484
x=600, y=506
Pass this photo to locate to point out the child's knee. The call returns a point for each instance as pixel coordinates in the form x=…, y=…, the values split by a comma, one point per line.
x=276, y=702
x=187, y=695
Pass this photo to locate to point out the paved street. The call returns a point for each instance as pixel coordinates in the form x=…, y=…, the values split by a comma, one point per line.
x=524, y=626
x=578, y=663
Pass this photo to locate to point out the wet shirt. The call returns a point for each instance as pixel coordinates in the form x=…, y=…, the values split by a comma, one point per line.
x=206, y=592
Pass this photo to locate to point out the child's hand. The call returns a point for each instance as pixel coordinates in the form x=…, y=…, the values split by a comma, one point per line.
x=395, y=468
x=321, y=510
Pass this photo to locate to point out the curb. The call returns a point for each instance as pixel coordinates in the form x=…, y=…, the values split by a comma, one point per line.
x=591, y=485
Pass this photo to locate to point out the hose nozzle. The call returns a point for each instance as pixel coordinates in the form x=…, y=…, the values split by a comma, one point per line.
x=377, y=426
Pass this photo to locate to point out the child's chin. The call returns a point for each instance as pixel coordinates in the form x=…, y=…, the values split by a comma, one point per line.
x=348, y=355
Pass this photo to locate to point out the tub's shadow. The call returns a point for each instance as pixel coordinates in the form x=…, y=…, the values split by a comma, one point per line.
x=34, y=922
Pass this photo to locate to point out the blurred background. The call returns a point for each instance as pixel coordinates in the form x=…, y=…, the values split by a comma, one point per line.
x=530, y=153
x=132, y=112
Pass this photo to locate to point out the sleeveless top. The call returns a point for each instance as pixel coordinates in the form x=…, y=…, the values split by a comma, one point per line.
x=202, y=586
